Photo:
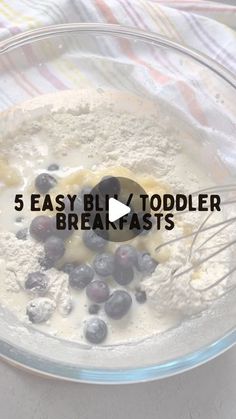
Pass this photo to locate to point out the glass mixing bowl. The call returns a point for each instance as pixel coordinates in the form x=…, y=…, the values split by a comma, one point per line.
x=200, y=95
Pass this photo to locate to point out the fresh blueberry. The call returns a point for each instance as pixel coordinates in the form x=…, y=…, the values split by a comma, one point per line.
x=40, y=309
x=95, y=330
x=44, y=182
x=81, y=276
x=109, y=185
x=54, y=248
x=67, y=205
x=94, y=308
x=98, y=291
x=118, y=304
x=46, y=263
x=68, y=267
x=93, y=241
x=123, y=276
x=63, y=234
x=145, y=263
x=126, y=256
x=76, y=206
x=104, y=264
x=140, y=296
x=41, y=227
x=22, y=234
x=53, y=167
x=37, y=282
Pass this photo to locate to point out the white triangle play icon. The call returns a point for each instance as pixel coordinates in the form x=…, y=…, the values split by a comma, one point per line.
x=117, y=210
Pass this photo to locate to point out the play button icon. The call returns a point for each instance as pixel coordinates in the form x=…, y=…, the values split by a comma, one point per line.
x=117, y=210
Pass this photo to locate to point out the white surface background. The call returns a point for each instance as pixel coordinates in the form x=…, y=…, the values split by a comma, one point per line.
x=207, y=392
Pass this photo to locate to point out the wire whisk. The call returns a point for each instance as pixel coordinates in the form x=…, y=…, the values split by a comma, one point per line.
x=210, y=240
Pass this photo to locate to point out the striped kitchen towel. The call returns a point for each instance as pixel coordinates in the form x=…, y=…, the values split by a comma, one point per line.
x=200, y=24
x=203, y=25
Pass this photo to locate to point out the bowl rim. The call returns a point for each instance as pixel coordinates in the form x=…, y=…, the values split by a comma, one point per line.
x=54, y=370
x=116, y=30
x=30, y=361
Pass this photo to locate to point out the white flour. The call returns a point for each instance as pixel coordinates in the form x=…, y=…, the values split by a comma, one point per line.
x=108, y=136
x=18, y=259
x=103, y=134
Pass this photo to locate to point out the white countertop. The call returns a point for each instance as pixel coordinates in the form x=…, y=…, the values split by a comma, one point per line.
x=207, y=392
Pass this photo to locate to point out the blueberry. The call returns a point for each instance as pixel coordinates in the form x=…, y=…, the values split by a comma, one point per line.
x=67, y=205
x=22, y=234
x=81, y=276
x=145, y=263
x=63, y=234
x=86, y=190
x=54, y=248
x=140, y=296
x=98, y=291
x=118, y=304
x=94, y=308
x=95, y=330
x=68, y=267
x=104, y=264
x=53, y=167
x=40, y=309
x=123, y=276
x=93, y=241
x=46, y=263
x=41, y=227
x=126, y=255
x=37, y=282
x=76, y=206
x=109, y=185
x=44, y=182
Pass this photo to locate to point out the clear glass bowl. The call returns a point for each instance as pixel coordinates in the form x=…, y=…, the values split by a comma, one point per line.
x=113, y=57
